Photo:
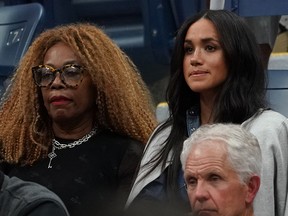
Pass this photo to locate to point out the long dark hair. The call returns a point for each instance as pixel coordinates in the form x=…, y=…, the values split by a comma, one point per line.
x=241, y=96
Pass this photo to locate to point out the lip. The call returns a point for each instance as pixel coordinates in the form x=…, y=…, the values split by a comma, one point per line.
x=198, y=73
x=205, y=212
x=59, y=100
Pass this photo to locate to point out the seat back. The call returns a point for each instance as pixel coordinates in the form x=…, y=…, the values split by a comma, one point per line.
x=277, y=90
x=257, y=7
x=162, y=20
x=18, y=25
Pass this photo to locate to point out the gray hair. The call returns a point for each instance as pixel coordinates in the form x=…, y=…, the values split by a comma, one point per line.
x=243, y=150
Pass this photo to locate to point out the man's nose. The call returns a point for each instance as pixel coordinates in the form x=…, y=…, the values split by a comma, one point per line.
x=201, y=191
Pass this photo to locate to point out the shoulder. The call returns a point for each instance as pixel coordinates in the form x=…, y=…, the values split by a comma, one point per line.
x=267, y=119
x=115, y=142
x=154, y=146
x=107, y=135
x=113, y=138
x=156, y=142
x=271, y=130
x=24, y=196
x=269, y=127
x=45, y=209
x=158, y=137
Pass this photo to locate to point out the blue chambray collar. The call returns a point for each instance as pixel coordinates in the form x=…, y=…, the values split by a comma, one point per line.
x=192, y=119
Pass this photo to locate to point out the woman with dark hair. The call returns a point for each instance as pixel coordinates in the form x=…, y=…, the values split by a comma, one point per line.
x=216, y=76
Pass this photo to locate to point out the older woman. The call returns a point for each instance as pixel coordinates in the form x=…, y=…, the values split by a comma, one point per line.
x=75, y=118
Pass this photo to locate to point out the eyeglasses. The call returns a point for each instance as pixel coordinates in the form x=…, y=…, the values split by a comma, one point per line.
x=70, y=75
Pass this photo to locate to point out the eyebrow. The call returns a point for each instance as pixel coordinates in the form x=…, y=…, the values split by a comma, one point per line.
x=65, y=63
x=204, y=40
x=207, y=171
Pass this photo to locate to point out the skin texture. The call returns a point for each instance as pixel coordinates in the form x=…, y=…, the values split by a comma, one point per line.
x=68, y=104
x=214, y=188
x=204, y=64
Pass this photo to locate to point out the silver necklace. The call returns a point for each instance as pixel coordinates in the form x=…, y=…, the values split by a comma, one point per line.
x=58, y=145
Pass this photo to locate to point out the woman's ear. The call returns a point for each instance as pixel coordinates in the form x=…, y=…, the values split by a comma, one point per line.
x=253, y=187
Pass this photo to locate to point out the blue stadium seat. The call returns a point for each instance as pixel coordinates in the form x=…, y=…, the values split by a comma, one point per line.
x=162, y=20
x=257, y=7
x=164, y=17
x=277, y=91
x=121, y=19
x=18, y=26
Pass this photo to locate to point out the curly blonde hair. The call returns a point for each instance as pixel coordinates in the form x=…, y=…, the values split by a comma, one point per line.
x=124, y=104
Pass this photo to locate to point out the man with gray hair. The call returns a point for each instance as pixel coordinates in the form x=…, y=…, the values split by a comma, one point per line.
x=222, y=165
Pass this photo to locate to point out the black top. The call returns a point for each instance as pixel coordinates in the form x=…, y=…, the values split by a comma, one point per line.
x=91, y=178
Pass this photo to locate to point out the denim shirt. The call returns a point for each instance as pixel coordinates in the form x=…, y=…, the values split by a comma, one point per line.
x=192, y=123
x=192, y=119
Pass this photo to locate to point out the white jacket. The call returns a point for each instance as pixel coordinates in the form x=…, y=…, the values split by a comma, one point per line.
x=271, y=130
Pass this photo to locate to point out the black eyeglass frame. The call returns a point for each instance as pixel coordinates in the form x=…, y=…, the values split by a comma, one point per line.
x=54, y=73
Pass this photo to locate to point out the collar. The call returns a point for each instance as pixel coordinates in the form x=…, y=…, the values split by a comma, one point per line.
x=192, y=119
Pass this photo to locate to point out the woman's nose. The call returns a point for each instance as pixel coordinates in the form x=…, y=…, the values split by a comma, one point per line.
x=57, y=82
x=196, y=58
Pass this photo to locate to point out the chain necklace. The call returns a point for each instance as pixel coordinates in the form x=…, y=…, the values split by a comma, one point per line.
x=58, y=145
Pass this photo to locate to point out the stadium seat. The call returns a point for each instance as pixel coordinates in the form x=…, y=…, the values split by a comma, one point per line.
x=162, y=20
x=121, y=19
x=257, y=7
x=162, y=112
x=277, y=90
x=18, y=26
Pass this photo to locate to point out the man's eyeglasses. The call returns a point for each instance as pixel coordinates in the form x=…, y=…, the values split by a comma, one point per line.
x=70, y=75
